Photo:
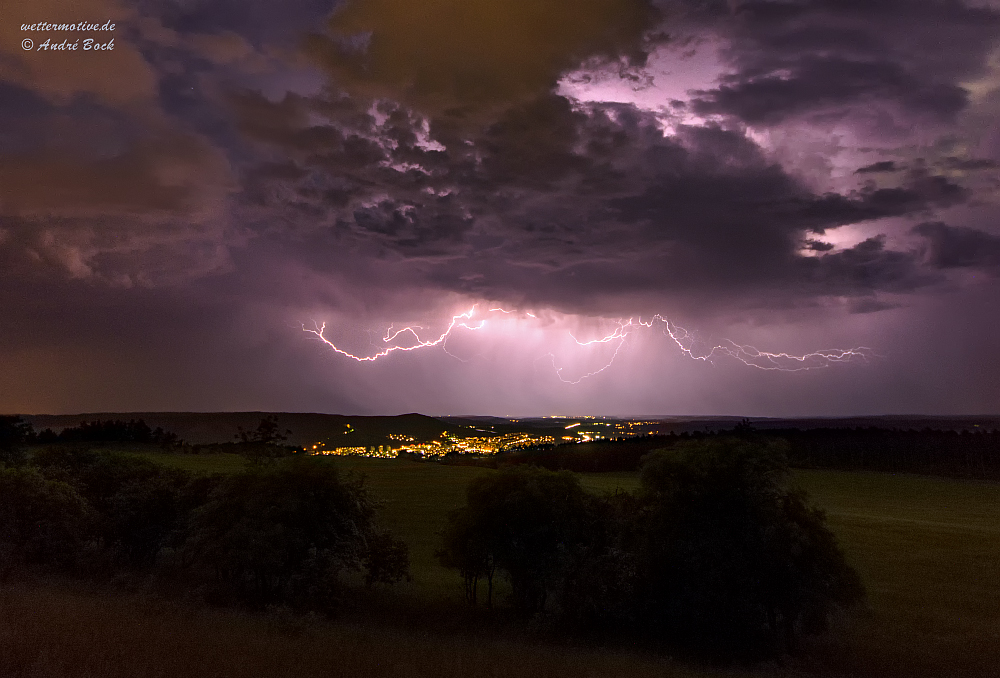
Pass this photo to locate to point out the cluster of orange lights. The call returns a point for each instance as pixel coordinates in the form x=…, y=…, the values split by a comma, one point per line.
x=490, y=443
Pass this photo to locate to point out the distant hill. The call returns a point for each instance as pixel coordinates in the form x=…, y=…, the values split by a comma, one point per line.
x=665, y=425
x=306, y=428
x=916, y=422
x=309, y=428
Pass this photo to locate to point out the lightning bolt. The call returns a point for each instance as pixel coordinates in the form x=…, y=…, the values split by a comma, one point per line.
x=530, y=315
x=390, y=336
x=685, y=341
x=746, y=354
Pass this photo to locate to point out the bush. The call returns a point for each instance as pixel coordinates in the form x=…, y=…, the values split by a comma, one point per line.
x=42, y=522
x=138, y=504
x=116, y=431
x=263, y=445
x=283, y=536
x=525, y=523
x=732, y=561
x=716, y=554
x=14, y=433
x=600, y=593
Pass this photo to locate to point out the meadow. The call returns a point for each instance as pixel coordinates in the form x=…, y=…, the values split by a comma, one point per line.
x=928, y=550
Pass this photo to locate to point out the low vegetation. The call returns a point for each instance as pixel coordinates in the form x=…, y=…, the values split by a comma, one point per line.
x=927, y=550
x=956, y=454
x=272, y=535
x=714, y=554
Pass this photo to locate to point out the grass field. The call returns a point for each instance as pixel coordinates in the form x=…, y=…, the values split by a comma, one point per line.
x=60, y=632
x=928, y=550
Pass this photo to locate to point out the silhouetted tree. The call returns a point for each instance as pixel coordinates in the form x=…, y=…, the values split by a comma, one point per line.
x=716, y=553
x=466, y=548
x=42, y=522
x=599, y=592
x=138, y=503
x=386, y=560
x=284, y=534
x=732, y=560
x=141, y=516
x=523, y=522
x=46, y=437
x=267, y=432
x=262, y=445
x=14, y=433
x=744, y=428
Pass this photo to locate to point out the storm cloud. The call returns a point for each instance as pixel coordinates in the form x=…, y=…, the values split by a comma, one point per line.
x=237, y=169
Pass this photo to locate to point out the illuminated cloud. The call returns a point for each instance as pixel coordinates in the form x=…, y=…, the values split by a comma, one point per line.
x=454, y=57
x=792, y=176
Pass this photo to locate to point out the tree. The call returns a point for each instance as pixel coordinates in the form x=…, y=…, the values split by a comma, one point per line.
x=599, y=587
x=14, y=432
x=466, y=549
x=262, y=445
x=386, y=559
x=523, y=522
x=138, y=503
x=141, y=516
x=733, y=561
x=716, y=554
x=42, y=522
x=266, y=433
x=284, y=534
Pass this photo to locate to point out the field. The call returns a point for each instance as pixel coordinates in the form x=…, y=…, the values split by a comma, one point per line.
x=928, y=550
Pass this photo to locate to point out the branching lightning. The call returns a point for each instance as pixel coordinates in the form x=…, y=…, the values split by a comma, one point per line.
x=686, y=341
x=746, y=354
x=390, y=336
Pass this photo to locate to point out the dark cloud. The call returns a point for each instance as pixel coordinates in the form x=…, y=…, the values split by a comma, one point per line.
x=261, y=22
x=824, y=56
x=237, y=170
x=969, y=164
x=460, y=57
x=120, y=77
x=808, y=84
x=119, y=167
x=585, y=208
x=878, y=167
x=864, y=269
x=91, y=189
x=957, y=246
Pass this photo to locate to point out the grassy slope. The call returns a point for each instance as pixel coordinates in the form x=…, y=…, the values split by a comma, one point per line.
x=61, y=632
x=928, y=550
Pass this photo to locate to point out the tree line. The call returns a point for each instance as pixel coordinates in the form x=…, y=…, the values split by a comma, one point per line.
x=282, y=534
x=716, y=554
x=956, y=454
x=15, y=431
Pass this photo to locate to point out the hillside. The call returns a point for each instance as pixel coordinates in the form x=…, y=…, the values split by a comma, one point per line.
x=306, y=428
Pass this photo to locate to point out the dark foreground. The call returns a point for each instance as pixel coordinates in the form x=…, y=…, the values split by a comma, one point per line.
x=928, y=551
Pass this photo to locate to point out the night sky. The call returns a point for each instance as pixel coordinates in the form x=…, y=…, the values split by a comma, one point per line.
x=793, y=176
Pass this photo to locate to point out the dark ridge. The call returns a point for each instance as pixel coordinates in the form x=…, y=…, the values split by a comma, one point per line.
x=203, y=428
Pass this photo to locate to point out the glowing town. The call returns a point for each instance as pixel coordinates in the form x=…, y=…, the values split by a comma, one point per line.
x=482, y=442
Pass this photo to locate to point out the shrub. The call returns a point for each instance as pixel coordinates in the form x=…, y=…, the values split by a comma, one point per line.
x=732, y=561
x=42, y=522
x=14, y=432
x=283, y=535
x=599, y=592
x=138, y=503
x=263, y=445
x=525, y=523
x=716, y=554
